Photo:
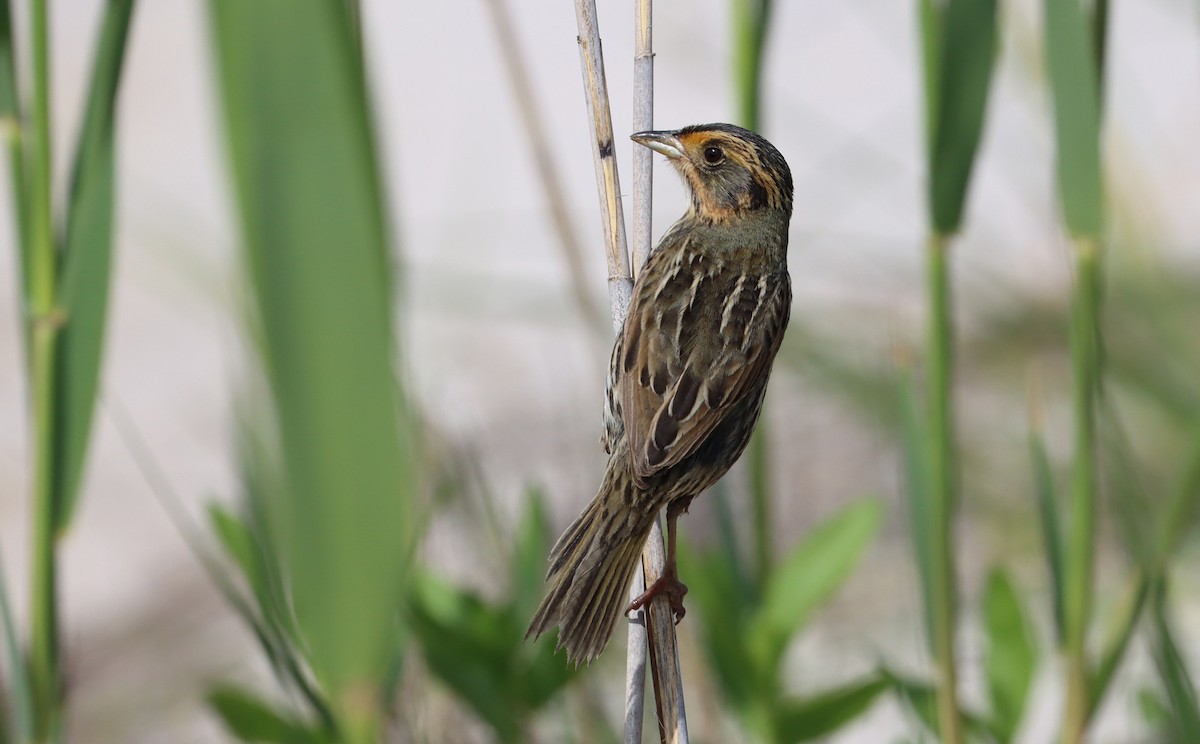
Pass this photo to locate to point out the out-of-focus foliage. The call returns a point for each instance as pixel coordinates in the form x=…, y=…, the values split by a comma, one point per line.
x=745, y=640
x=477, y=648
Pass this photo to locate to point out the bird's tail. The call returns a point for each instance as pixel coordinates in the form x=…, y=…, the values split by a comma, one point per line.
x=591, y=566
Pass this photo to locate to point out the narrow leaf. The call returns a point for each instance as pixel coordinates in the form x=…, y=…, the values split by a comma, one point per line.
x=813, y=718
x=921, y=700
x=712, y=579
x=470, y=650
x=1011, y=657
x=968, y=53
x=1181, y=693
x=814, y=570
x=234, y=538
x=1125, y=620
x=251, y=719
x=930, y=19
x=530, y=545
x=1075, y=87
x=10, y=132
x=920, y=514
x=87, y=258
x=18, y=682
x=316, y=243
x=1052, y=537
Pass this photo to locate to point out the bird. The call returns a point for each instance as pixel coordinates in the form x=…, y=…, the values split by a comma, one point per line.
x=686, y=378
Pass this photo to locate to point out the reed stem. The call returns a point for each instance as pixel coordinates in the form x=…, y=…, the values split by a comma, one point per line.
x=1080, y=556
x=942, y=484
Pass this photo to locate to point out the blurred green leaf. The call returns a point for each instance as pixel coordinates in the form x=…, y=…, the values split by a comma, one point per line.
x=234, y=538
x=812, y=572
x=316, y=243
x=968, y=51
x=1047, y=500
x=813, y=718
x=921, y=699
x=1011, y=657
x=1154, y=711
x=916, y=472
x=530, y=547
x=10, y=115
x=1076, y=92
x=17, y=699
x=466, y=648
x=1176, y=681
x=477, y=649
x=712, y=579
x=1125, y=486
x=930, y=18
x=253, y=720
x=87, y=258
x=1180, y=515
x=1124, y=617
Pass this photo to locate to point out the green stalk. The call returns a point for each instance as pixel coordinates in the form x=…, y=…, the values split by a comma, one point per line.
x=940, y=448
x=10, y=128
x=758, y=463
x=43, y=655
x=750, y=23
x=1080, y=541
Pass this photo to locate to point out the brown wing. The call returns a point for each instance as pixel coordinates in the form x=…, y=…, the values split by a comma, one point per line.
x=701, y=334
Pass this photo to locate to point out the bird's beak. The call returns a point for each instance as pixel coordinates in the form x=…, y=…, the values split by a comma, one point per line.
x=665, y=142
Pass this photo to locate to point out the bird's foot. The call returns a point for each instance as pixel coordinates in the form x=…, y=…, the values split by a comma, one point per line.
x=669, y=585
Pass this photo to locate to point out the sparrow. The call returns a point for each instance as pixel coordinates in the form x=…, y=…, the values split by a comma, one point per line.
x=686, y=379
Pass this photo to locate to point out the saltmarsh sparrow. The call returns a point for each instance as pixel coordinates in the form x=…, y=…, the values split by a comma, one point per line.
x=687, y=375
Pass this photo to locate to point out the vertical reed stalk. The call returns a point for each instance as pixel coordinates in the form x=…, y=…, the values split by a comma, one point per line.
x=664, y=653
x=1081, y=541
x=43, y=268
x=942, y=498
x=751, y=19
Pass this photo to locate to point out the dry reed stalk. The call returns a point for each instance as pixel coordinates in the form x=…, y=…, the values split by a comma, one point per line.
x=664, y=652
x=591, y=58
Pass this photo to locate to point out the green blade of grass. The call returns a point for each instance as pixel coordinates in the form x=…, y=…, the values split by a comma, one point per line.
x=916, y=472
x=968, y=53
x=1175, y=678
x=1075, y=86
x=18, y=685
x=1116, y=643
x=10, y=130
x=1011, y=657
x=811, y=573
x=315, y=238
x=820, y=716
x=1180, y=515
x=252, y=719
x=1047, y=501
x=930, y=18
x=751, y=21
x=87, y=258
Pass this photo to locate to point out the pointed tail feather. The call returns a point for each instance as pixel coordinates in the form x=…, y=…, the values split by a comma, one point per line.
x=591, y=566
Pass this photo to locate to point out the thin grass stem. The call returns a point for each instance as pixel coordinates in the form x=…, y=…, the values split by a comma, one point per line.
x=942, y=485
x=43, y=267
x=638, y=640
x=1080, y=548
x=591, y=58
x=750, y=24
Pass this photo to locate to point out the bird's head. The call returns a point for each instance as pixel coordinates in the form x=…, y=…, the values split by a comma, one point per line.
x=730, y=171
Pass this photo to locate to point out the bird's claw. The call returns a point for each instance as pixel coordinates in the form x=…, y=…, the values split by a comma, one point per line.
x=669, y=585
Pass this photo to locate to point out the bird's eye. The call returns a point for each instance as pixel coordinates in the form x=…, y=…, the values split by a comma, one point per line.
x=713, y=155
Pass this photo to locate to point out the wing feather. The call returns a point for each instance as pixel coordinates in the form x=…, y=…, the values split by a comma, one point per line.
x=693, y=349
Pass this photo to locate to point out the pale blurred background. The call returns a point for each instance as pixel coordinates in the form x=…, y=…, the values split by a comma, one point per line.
x=498, y=353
